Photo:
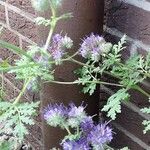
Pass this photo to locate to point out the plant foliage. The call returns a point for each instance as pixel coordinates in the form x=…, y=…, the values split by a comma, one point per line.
x=37, y=65
x=16, y=117
x=113, y=105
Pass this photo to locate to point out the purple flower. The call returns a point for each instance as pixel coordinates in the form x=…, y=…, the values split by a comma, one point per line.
x=75, y=115
x=92, y=47
x=75, y=111
x=80, y=144
x=57, y=38
x=55, y=114
x=67, y=42
x=100, y=135
x=59, y=45
x=87, y=124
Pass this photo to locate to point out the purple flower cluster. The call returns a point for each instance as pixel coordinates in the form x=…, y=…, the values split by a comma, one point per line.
x=87, y=124
x=90, y=135
x=55, y=114
x=99, y=135
x=80, y=144
x=94, y=136
x=59, y=45
x=93, y=46
x=75, y=115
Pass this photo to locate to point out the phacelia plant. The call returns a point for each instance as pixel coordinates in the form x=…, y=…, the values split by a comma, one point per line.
x=37, y=65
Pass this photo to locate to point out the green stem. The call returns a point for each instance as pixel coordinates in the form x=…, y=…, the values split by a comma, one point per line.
x=78, y=130
x=50, y=35
x=105, y=83
x=52, y=27
x=77, y=82
x=79, y=63
x=20, y=122
x=6, y=69
x=67, y=129
x=83, y=64
x=2, y=85
x=108, y=147
x=73, y=55
x=129, y=68
x=22, y=91
x=141, y=90
x=147, y=75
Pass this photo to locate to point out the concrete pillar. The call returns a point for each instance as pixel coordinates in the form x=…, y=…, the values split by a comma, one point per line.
x=88, y=17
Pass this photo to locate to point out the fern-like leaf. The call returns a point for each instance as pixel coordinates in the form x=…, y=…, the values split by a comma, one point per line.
x=146, y=123
x=16, y=117
x=113, y=105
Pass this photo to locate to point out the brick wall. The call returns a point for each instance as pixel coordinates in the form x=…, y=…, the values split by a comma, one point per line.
x=17, y=18
x=131, y=17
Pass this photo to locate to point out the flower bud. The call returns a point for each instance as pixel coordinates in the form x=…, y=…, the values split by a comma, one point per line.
x=56, y=3
x=106, y=47
x=40, y=5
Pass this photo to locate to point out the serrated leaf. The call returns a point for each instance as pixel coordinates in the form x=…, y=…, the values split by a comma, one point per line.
x=125, y=148
x=113, y=105
x=42, y=21
x=146, y=110
x=146, y=124
x=17, y=117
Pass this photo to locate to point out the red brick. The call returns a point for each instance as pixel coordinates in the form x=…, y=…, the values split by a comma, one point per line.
x=2, y=13
x=22, y=25
x=130, y=20
x=23, y=5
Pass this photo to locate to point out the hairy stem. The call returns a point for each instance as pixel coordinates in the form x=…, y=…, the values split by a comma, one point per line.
x=138, y=88
x=79, y=63
x=52, y=27
x=80, y=82
x=78, y=130
x=67, y=129
x=50, y=35
x=22, y=91
x=2, y=86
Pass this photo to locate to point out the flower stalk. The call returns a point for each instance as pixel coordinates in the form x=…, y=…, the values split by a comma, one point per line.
x=22, y=91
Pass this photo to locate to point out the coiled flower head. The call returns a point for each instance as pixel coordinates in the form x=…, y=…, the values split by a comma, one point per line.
x=93, y=46
x=43, y=5
x=87, y=124
x=55, y=115
x=75, y=115
x=80, y=144
x=100, y=135
x=59, y=45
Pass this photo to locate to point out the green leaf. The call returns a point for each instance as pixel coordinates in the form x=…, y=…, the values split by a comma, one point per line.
x=5, y=145
x=113, y=105
x=90, y=88
x=17, y=117
x=146, y=110
x=42, y=21
x=4, y=64
x=87, y=77
x=125, y=148
x=14, y=49
x=146, y=123
x=40, y=68
x=1, y=29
